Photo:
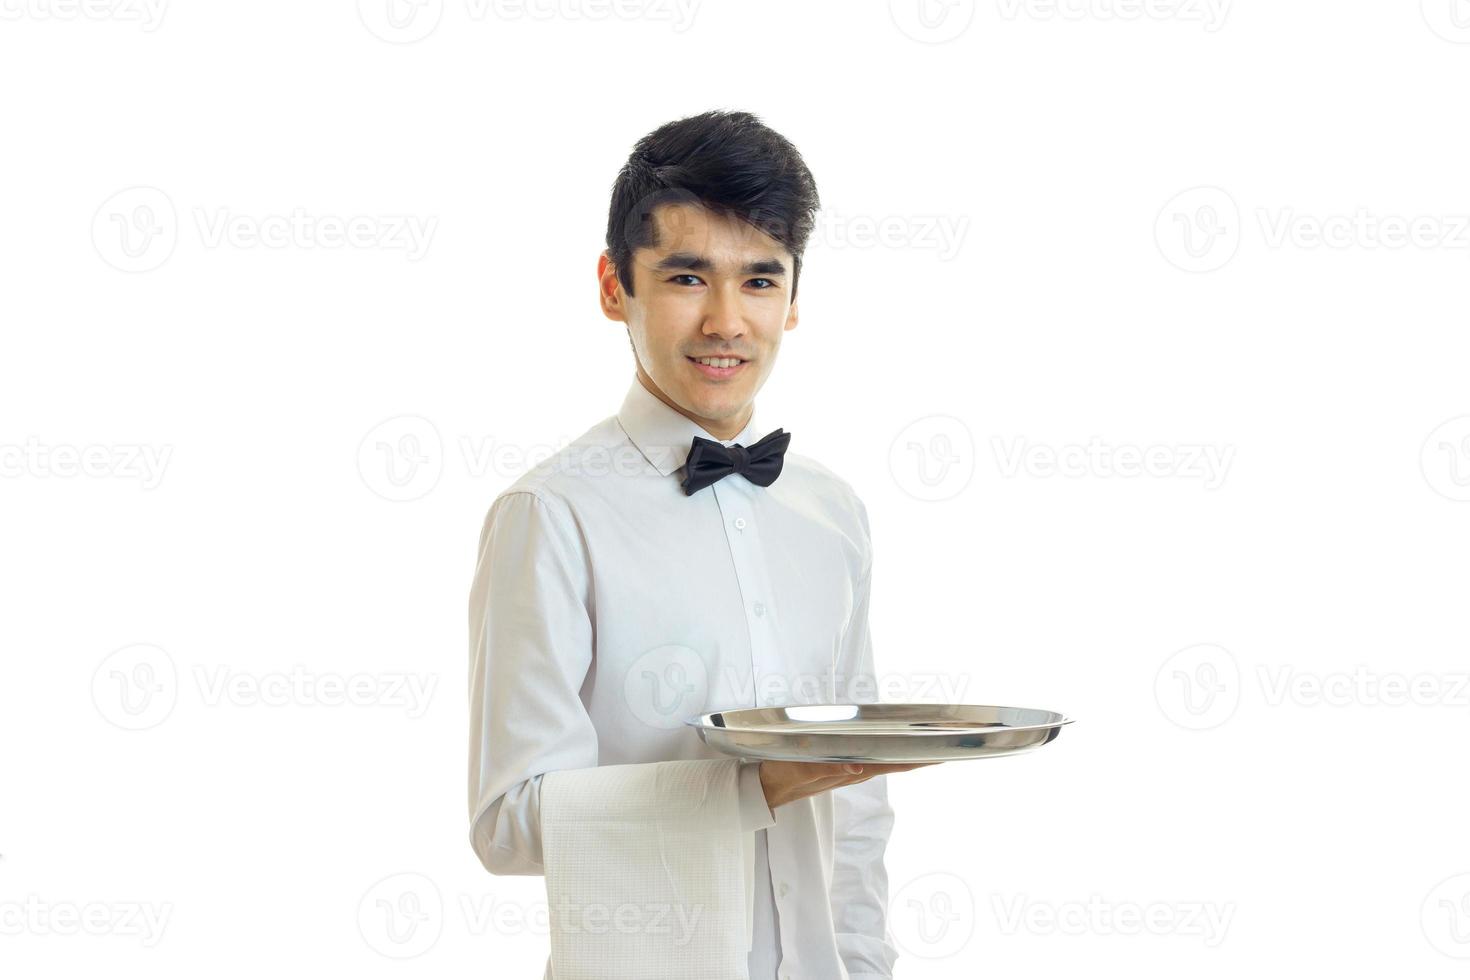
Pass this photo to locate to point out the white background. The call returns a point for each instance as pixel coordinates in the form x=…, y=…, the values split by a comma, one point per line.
x=1229, y=231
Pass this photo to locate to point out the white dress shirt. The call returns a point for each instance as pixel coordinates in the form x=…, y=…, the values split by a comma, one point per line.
x=608, y=608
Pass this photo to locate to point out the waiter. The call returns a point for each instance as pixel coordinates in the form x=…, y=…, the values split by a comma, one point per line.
x=677, y=559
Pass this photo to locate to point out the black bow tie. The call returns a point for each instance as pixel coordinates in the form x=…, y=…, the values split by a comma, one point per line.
x=709, y=461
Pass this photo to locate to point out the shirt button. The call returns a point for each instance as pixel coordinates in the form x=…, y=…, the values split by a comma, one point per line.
x=739, y=523
x=783, y=889
x=760, y=608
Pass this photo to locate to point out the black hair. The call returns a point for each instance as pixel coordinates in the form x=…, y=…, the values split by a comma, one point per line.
x=729, y=162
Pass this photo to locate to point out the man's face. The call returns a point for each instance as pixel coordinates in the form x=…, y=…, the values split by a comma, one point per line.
x=711, y=286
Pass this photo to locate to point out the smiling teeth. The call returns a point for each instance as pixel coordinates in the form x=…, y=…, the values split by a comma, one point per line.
x=719, y=362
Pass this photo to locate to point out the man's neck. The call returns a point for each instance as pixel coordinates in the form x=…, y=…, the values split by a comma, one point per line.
x=720, y=430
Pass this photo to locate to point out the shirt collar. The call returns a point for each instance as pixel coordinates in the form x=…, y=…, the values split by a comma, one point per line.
x=664, y=435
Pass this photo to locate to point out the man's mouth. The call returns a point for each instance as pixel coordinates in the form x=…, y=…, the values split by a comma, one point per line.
x=717, y=367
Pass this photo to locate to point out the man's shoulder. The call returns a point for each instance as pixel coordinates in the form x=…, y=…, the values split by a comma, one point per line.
x=559, y=475
x=830, y=487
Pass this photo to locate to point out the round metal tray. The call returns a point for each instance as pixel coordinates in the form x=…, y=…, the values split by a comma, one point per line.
x=888, y=732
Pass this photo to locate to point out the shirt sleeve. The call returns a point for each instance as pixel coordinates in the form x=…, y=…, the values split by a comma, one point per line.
x=755, y=812
x=862, y=821
x=531, y=643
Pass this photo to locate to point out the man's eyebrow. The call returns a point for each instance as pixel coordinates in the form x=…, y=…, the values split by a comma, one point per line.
x=698, y=263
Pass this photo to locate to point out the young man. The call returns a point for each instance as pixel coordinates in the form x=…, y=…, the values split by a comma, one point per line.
x=675, y=559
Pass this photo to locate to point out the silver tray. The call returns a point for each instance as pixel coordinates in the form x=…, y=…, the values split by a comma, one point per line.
x=886, y=732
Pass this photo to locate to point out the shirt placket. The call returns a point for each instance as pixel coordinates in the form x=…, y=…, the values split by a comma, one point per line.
x=769, y=683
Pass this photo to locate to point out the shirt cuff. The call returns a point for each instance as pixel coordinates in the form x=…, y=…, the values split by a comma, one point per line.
x=755, y=813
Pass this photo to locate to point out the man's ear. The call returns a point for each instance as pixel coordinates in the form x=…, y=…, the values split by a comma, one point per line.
x=610, y=290
x=791, y=317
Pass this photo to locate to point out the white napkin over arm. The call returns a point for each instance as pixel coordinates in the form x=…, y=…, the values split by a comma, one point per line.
x=648, y=870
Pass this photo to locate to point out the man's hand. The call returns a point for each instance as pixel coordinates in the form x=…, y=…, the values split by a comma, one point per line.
x=785, y=782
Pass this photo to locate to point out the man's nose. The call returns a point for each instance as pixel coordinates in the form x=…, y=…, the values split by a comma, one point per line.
x=722, y=315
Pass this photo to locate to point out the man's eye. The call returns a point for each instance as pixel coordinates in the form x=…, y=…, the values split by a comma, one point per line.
x=768, y=283
x=676, y=279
